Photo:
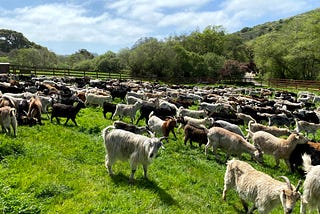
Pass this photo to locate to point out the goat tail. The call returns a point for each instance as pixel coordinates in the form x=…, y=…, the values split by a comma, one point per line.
x=13, y=112
x=306, y=162
x=106, y=131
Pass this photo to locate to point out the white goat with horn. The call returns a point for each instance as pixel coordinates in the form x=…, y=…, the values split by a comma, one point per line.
x=124, y=145
x=261, y=189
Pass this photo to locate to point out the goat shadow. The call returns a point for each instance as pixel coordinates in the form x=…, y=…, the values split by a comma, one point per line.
x=121, y=179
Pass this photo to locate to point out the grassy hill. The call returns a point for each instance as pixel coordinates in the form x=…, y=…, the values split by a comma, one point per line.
x=251, y=33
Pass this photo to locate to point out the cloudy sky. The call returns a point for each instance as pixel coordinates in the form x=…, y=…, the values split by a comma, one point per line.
x=66, y=26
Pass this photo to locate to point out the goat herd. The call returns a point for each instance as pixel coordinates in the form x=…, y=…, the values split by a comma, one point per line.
x=277, y=123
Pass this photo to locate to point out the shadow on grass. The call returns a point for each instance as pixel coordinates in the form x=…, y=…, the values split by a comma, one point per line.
x=123, y=180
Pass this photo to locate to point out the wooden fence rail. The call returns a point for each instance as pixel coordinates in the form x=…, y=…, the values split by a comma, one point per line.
x=38, y=71
x=295, y=84
x=275, y=83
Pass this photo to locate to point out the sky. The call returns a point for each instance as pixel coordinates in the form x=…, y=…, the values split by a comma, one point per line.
x=99, y=26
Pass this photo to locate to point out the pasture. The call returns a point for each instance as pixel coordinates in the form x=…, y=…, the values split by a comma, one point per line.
x=54, y=168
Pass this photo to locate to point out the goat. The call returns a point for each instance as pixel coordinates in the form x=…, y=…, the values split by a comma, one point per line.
x=162, y=112
x=245, y=117
x=195, y=134
x=275, y=131
x=310, y=148
x=255, y=186
x=280, y=120
x=278, y=147
x=191, y=113
x=67, y=111
x=311, y=186
x=216, y=107
x=132, y=100
x=162, y=127
x=126, y=110
x=307, y=127
x=207, y=121
x=229, y=126
x=7, y=118
x=96, y=99
x=124, y=145
x=108, y=107
x=45, y=102
x=129, y=127
x=35, y=108
x=231, y=143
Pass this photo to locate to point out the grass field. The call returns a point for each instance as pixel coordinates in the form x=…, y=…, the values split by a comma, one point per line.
x=60, y=169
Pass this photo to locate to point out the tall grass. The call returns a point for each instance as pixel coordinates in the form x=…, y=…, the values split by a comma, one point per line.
x=60, y=169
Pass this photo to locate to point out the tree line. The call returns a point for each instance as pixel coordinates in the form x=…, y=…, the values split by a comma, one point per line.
x=284, y=49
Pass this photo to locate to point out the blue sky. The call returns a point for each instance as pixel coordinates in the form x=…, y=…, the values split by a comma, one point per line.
x=66, y=26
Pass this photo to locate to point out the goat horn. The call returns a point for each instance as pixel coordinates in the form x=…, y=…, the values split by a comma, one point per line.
x=287, y=181
x=298, y=185
x=162, y=138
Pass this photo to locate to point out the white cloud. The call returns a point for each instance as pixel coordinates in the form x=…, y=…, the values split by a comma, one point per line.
x=120, y=23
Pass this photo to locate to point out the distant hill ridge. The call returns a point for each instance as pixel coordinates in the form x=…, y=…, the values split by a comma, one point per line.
x=10, y=40
x=250, y=33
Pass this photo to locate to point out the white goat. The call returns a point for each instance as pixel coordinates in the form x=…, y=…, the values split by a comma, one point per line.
x=311, y=186
x=124, y=110
x=229, y=126
x=191, y=113
x=7, y=119
x=207, y=121
x=274, y=130
x=97, y=99
x=124, y=145
x=231, y=143
x=211, y=107
x=245, y=117
x=304, y=126
x=264, y=191
x=278, y=147
x=132, y=100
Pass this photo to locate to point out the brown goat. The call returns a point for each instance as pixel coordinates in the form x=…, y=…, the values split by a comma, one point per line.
x=193, y=133
x=34, y=111
x=168, y=126
x=162, y=127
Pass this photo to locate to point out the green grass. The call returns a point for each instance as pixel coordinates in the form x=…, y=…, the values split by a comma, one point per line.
x=60, y=169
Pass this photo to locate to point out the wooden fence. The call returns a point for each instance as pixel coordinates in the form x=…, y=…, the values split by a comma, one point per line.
x=294, y=84
x=39, y=71
x=274, y=83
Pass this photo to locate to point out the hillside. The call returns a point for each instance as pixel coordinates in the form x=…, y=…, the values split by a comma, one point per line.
x=10, y=40
x=248, y=33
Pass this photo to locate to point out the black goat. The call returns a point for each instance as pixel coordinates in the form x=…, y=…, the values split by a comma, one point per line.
x=129, y=127
x=108, y=107
x=119, y=92
x=67, y=111
x=162, y=113
x=310, y=148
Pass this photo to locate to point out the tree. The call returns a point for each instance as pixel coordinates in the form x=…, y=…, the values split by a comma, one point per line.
x=108, y=62
x=232, y=69
x=33, y=57
x=11, y=40
x=79, y=56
